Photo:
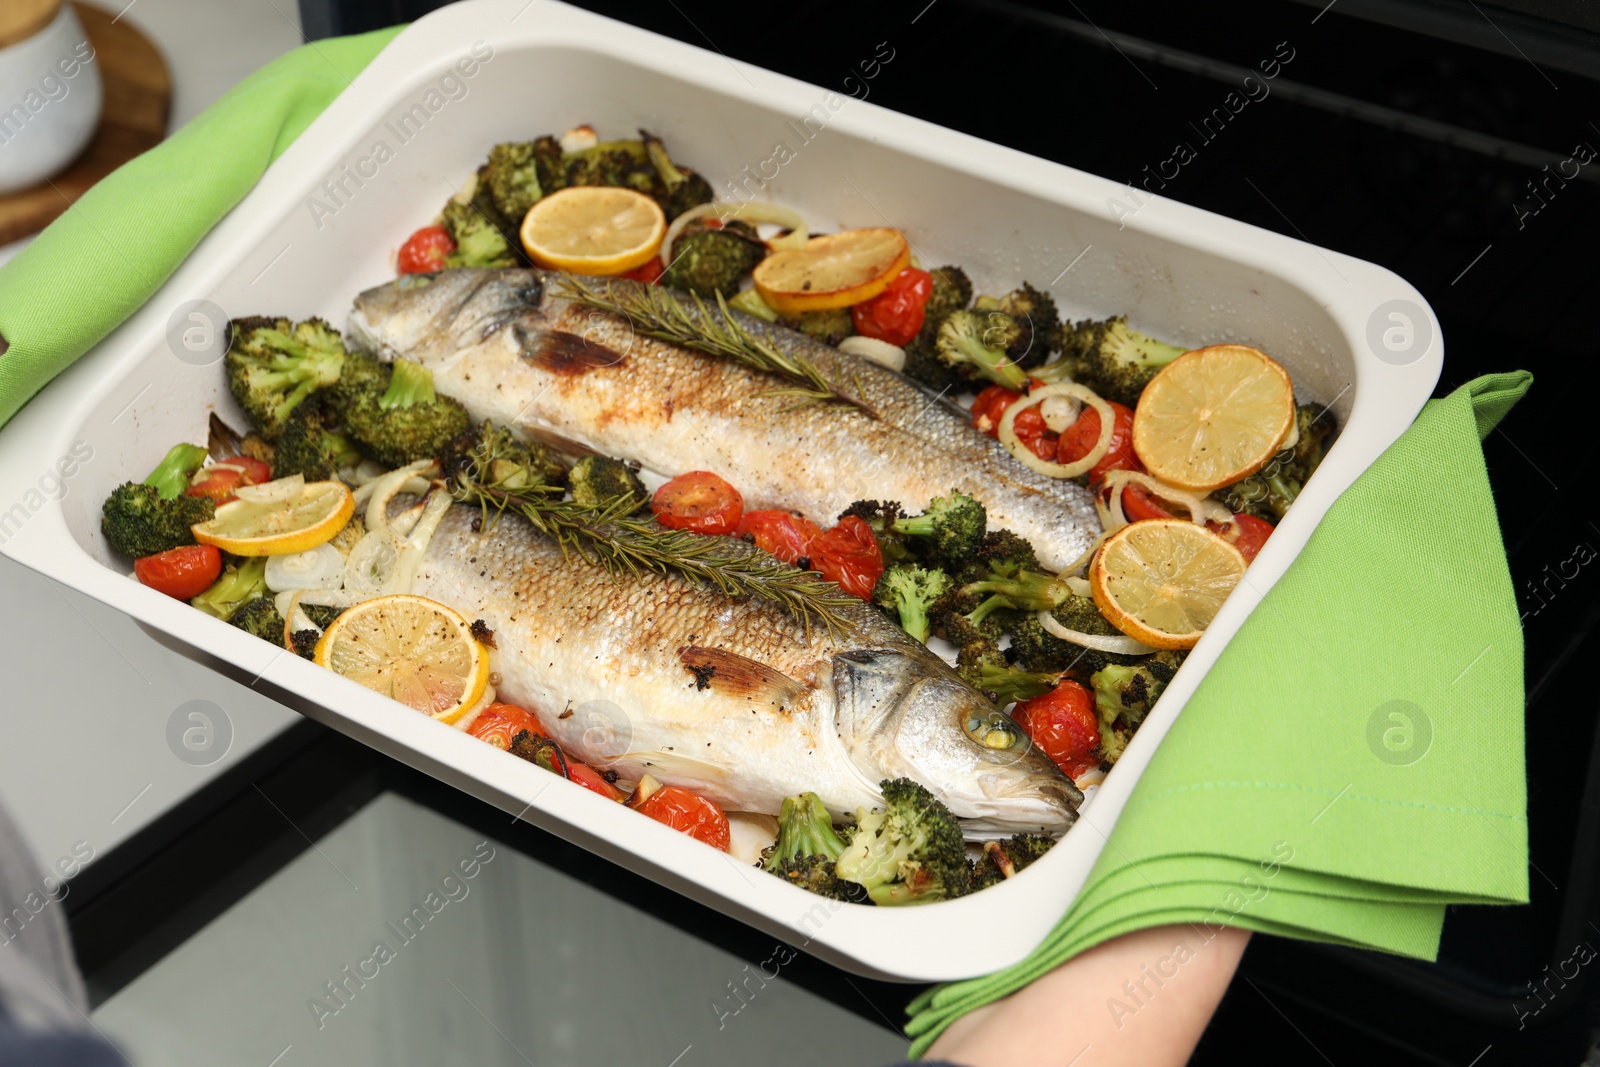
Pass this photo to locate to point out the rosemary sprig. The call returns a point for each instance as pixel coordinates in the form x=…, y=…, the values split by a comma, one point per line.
x=610, y=537
x=657, y=312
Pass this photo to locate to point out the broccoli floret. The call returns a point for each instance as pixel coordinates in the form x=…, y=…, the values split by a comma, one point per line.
x=1005, y=553
x=830, y=326
x=406, y=420
x=304, y=643
x=241, y=581
x=172, y=475
x=816, y=874
x=964, y=619
x=512, y=174
x=259, y=617
x=1111, y=358
x=1003, y=859
x=1027, y=589
x=138, y=522
x=881, y=516
x=311, y=447
x=985, y=668
x=1129, y=691
x=910, y=591
x=479, y=242
x=749, y=301
x=625, y=164
x=1037, y=649
x=273, y=365
x=1036, y=324
x=362, y=371
x=1268, y=493
x=952, y=291
x=953, y=525
x=805, y=829
x=603, y=482
x=909, y=852
x=321, y=614
x=488, y=456
x=681, y=188
x=708, y=260
x=976, y=342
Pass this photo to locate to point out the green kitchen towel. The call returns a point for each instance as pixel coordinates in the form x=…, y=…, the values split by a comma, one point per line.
x=98, y=263
x=1352, y=763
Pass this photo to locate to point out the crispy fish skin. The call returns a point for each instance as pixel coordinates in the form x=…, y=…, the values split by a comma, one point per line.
x=729, y=696
x=510, y=348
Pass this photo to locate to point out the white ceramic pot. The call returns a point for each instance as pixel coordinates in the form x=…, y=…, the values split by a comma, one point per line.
x=49, y=101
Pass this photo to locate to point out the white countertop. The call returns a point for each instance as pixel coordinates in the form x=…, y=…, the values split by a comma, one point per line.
x=84, y=754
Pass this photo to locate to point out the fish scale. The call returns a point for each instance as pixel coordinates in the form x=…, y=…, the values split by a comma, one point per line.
x=511, y=350
x=781, y=710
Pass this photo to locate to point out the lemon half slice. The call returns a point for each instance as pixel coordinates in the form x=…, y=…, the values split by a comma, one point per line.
x=1162, y=581
x=833, y=271
x=592, y=229
x=413, y=649
x=281, y=517
x=1213, y=416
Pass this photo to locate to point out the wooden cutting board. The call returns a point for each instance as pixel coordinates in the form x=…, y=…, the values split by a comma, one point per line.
x=138, y=93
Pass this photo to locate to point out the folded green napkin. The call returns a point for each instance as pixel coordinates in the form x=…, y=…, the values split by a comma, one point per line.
x=1352, y=763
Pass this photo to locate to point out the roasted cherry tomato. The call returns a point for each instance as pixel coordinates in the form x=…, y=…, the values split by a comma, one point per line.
x=849, y=554
x=989, y=406
x=595, y=782
x=1139, y=503
x=1246, y=532
x=499, y=723
x=688, y=813
x=649, y=273
x=782, y=533
x=180, y=572
x=1065, y=725
x=698, y=501
x=1080, y=437
x=424, y=251
x=895, y=315
x=219, y=480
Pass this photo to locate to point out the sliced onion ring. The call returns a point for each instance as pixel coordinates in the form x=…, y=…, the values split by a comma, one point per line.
x=749, y=211
x=1200, y=508
x=1024, y=454
x=880, y=352
x=1119, y=645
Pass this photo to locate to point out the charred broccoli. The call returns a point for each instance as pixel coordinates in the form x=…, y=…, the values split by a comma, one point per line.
x=362, y=371
x=1111, y=358
x=512, y=174
x=1034, y=331
x=625, y=164
x=406, y=420
x=479, y=242
x=311, y=447
x=260, y=618
x=137, y=521
x=680, y=187
x=830, y=326
x=976, y=342
x=909, y=852
x=986, y=669
x=1268, y=493
x=1003, y=859
x=1023, y=588
x=910, y=591
x=1005, y=554
x=602, y=482
x=172, y=475
x=488, y=456
x=1039, y=650
x=807, y=849
x=953, y=527
x=273, y=365
x=708, y=260
x=1129, y=691
x=241, y=581
x=952, y=291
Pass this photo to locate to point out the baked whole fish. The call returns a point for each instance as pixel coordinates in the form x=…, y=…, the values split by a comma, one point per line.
x=510, y=349
x=730, y=696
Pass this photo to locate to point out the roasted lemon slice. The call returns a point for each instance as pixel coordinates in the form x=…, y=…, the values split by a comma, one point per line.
x=592, y=229
x=413, y=649
x=833, y=271
x=1162, y=581
x=1213, y=416
x=278, y=517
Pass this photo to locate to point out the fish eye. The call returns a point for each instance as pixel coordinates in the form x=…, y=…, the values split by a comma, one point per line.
x=994, y=730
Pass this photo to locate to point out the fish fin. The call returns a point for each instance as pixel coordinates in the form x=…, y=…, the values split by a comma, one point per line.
x=556, y=442
x=675, y=768
x=564, y=353
x=731, y=674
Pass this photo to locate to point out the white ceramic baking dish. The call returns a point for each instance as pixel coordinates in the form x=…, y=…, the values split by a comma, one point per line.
x=324, y=223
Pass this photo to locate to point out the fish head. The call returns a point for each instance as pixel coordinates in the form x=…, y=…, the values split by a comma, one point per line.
x=428, y=318
x=900, y=719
